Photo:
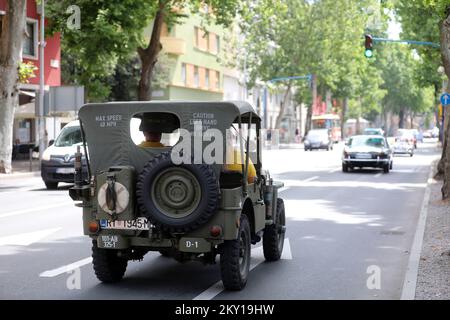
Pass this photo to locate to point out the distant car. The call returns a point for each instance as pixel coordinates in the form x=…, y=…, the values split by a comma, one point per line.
x=428, y=134
x=367, y=151
x=57, y=163
x=318, y=139
x=403, y=146
x=374, y=131
x=407, y=134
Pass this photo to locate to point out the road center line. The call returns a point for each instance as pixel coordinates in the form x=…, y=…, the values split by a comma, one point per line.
x=66, y=268
x=50, y=206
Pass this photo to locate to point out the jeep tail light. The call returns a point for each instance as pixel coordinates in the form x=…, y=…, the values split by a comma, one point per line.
x=215, y=231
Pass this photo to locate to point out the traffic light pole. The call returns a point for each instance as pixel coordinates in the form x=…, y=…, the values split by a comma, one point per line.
x=421, y=43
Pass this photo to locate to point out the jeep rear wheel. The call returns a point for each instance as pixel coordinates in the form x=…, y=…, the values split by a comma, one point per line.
x=108, y=266
x=273, y=238
x=177, y=198
x=235, y=258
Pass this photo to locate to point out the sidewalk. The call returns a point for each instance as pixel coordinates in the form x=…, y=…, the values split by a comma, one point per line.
x=21, y=168
x=433, y=279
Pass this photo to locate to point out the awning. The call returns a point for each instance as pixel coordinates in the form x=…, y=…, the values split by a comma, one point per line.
x=28, y=93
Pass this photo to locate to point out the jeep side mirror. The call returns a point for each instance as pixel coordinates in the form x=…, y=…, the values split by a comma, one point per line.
x=51, y=142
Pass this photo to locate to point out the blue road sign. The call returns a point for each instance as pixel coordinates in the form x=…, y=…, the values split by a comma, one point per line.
x=445, y=99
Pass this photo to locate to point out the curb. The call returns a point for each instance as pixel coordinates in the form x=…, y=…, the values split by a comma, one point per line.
x=412, y=271
x=17, y=175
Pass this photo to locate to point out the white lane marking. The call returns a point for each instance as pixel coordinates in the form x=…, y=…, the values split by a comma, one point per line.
x=257, y=258
x=287, y=253
x=66, y=268
x=311, y=179
x=334, y=170
x=283, y=189
x=286, y=187
x=378, y=175
x=410, y=282
x=33, y=209
x=25, y=239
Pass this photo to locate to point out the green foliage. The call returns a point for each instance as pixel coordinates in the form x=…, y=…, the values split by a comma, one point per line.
x=291, y=37
x=427, y=30
x=26, y=71
x=398, y=64
x=112, y=30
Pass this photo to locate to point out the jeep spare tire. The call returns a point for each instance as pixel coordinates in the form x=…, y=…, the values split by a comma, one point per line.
x=177, y=198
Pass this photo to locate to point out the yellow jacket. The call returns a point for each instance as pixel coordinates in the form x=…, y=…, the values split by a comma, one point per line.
x=151, y=144
x=236, y=165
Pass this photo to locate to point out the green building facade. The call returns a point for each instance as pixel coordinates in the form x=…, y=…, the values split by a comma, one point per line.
x=195, y=71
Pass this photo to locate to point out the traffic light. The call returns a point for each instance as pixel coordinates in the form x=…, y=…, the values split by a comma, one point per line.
x=369, y=46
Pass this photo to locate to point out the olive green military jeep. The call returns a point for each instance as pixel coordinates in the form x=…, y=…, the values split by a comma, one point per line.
x=161, y=179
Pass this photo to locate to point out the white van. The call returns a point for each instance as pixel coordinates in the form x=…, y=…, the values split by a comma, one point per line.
x=57, y=163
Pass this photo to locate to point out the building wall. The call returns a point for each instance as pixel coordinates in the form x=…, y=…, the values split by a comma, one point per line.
x=25, y=126
x=194, y=56
x=52, y=54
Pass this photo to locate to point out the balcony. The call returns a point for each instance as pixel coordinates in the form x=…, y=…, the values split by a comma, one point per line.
x=173, y=45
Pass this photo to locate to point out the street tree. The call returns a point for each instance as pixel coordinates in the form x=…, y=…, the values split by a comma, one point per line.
x=435, y=25
x=111, y=30
x=289, y=38
x=12, y=32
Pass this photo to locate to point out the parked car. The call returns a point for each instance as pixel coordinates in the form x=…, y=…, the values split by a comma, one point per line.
x=57, y=163
x=403, y=146
x=367, y=151
x=318, y=139
x=374, y=131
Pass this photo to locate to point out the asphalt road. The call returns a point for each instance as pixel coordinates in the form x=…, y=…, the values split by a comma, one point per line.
x=343, y=229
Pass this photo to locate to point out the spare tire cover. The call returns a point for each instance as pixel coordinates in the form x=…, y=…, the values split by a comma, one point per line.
x=177, y=198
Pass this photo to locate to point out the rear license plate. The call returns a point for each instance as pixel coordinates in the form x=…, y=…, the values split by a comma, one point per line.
x=65, y=170
x=138, y=224
x=194, y=245
x=363, y=156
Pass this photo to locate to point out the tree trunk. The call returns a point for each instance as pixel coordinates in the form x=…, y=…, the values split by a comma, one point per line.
x=445, y=53
x=385, y=120
x=308, y=120
x=149, y=55
x=10, y=56
x=282, y=107
x=310, y=110
x=343, y=116
x=401, y=118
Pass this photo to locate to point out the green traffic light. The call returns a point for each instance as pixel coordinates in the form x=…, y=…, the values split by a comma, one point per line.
x=368, y=53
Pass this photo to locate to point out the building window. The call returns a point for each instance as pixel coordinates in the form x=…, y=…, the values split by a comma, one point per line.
x=196, y=77
x=217, y=80
x=30, y=41
x=217, y=44
x=207, y=78
x=183, y=74
x=196, y=32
